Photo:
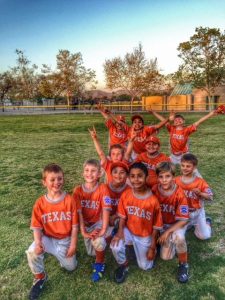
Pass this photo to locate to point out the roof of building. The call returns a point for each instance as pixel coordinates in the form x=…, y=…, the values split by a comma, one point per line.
x=182, y=89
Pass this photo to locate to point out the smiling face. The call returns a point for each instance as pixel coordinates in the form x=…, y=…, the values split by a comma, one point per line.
x=116, y=154
x=119, y=176
x=165, y=179
x=187, y=168
x=178, y=121
x=152, y=148
x=91, y=173
x=53, y=182
x=137, y=124
x=137, y=179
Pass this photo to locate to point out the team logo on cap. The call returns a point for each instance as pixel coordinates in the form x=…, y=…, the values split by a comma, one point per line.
x=184, y=209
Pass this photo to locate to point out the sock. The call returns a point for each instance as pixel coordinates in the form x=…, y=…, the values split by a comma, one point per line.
x=182, y=257
x=100, y=257
x=39, y=276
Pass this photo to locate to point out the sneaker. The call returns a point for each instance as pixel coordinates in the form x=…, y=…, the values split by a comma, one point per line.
x=98, y=271
x=182, y=274
x=121, y=274
x=37, y=288
x=209, y=221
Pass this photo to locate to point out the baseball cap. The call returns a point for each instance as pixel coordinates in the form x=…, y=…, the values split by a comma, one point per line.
x=119, y=164
x=120, y=118
x=153, y=139
x=137, y=117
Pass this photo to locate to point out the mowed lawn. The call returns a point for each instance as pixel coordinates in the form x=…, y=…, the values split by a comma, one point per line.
x=28, y=143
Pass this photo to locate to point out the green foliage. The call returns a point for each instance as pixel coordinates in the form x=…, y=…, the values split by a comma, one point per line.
x=31, y=142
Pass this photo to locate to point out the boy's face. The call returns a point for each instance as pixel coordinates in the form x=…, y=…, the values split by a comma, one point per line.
x=178, y=121
x=91, y=173
x=116, y=155
x=187, y=168
x=152, y=147
x=165, y=179
x=53, y=181
x=137, y=124
x=119, y=175
x=137, y=179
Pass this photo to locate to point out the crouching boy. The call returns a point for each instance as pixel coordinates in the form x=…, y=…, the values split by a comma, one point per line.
x=55, y=227
x=140, y=220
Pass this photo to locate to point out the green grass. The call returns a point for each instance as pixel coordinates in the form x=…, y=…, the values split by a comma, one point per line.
x=30, y=142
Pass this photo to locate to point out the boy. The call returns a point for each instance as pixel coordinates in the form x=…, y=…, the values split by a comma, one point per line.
x=55, y=228
x=174, y=208
x=142, y=133
x=95, y=203
x=140, y=220
x=197, y=191
x=118, y=129
x=116, y=153
x=151, y=157
x=179, y=133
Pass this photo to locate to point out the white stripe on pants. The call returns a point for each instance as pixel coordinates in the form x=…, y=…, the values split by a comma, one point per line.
x=55, y=247
x=141, y=247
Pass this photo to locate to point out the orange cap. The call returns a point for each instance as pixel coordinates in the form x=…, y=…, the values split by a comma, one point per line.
x=153, y=139
x=119, y=164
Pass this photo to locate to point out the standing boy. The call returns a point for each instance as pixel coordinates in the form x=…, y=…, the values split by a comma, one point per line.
x=174, y=208
x=55, y=227
x=95, y=203
x=197, y=191
x=140, y=220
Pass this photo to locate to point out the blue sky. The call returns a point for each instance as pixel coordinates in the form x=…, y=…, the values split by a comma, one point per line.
x=102, y=29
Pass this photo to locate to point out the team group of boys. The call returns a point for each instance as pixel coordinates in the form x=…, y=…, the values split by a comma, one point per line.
x=141, y=210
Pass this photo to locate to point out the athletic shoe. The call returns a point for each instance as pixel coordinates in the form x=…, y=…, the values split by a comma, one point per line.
x=98, y=271
x=182, y=274
x=120, y=274
x=209, y=221
x=37, y=288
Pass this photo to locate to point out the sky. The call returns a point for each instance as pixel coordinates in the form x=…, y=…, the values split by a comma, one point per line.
x=102, y=30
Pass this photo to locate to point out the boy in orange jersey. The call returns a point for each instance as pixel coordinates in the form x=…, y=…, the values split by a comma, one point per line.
x=151, y=157
x=179, y=133
x=197, y=191
x=142, y=133
x=118, y=129
x=140, y=220
x=95, y=203
x=175, y=215
x=55, y=227
x=116, y=153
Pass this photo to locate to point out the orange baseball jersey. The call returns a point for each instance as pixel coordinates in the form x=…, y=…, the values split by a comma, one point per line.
x=107, y=168
x=142, y=214
x=115, y=195
x=56, y=219
x=150, y=163
x=92, y=202
x=194, y=201
x=140, y=139
x=179, y=138
x=117, y=136
x=174, y=205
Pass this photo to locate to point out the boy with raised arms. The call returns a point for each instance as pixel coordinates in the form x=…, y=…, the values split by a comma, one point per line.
x=55, y=227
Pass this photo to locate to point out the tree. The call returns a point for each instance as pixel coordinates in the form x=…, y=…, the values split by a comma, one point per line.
x=203, y=59
x=6, y=84
x=70, y=77
x=133, y=73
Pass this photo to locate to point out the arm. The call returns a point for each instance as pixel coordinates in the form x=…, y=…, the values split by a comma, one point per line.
x=82, y=227
x=163, y=237
x=161, y=124
x=73, y=242
x=152, y=249
x=39, y=249
x=103, y=112
x=98, y=147
x=105, y=223
x=203, y=119
x=157, y=115
x=130, y=145
x=202, y=195
x=119, y=236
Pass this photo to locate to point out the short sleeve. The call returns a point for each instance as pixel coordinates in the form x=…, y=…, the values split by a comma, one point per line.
x=36, y=222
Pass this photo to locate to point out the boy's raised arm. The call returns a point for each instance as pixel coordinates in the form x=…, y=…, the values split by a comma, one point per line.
x=206, y=117
x=98, y=147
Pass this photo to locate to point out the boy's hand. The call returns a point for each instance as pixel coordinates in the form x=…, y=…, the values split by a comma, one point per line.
x=94, y=233
x=71, y=251
x=39, y=249
x=86, y=235
x=133, y=134
x=197, y=191
x=164, y=237
x=116, y=239
x=151, y=253
x=172, y=116
x=99, y=234
x=93, y=133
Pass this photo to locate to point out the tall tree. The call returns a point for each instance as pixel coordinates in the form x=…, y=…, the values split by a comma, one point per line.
x=6, y=84
x=70, y=77
x=203, y=59
x=133, y=73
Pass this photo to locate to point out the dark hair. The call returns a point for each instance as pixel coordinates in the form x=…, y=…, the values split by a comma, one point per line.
x=165, y=166
x=93, y=162
x=51, y=168
x=139, y=165
x=179, y=116
x=190, y=158
x=116, y=146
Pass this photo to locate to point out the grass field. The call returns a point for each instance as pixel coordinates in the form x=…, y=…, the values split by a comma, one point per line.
x=30, y=142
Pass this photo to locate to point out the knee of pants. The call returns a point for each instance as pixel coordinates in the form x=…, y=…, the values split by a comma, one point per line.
x=117, y=248
x=70, y=265
x=203, y=235
x=99, y=244
x=145, y=264
x=180, y=243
